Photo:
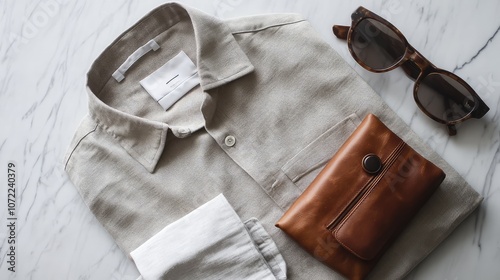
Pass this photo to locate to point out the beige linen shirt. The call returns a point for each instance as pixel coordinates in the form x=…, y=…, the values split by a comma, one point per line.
x=274, y=103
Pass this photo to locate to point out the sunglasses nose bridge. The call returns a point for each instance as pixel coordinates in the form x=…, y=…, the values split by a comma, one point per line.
x=418, y=59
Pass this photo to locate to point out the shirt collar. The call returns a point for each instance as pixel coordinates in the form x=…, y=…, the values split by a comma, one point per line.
x=219, y=60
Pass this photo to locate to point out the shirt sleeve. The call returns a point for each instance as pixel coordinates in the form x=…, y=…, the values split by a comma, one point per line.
x=211, y=242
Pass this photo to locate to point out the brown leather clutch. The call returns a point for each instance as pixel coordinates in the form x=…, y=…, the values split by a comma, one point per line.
x=362, y=199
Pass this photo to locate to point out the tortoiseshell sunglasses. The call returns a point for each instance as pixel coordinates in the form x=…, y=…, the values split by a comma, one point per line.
x=378, y=46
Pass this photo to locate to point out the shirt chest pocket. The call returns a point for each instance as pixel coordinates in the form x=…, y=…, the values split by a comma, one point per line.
x=303, y=167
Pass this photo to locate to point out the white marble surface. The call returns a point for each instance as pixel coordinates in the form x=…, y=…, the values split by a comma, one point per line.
x=47, y=47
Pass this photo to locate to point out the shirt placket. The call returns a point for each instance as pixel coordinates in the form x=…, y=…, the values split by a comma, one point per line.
x=247, y=155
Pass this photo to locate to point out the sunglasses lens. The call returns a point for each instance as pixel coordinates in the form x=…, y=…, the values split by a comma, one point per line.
x=444, y=97
x=376, y=45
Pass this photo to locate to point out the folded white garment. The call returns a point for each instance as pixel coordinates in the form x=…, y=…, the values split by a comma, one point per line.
x=210, y=243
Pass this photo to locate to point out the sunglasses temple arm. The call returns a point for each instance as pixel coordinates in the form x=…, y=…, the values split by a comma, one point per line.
x=481, y=110
x=341, y=31
x=451, y=92
x=452, y=129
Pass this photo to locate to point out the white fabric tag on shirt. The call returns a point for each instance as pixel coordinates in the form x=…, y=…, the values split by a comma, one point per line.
x=172, y=81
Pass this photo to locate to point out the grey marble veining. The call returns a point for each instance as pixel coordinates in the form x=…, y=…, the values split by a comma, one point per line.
x=47, y=47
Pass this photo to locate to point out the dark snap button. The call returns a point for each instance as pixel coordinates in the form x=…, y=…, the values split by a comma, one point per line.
x=371, y=163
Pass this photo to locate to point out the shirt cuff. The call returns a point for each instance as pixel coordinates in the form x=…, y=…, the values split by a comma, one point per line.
x=210, y=243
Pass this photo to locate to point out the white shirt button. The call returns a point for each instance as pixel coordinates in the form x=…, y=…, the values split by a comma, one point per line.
x=230, y=141
x=182, y=132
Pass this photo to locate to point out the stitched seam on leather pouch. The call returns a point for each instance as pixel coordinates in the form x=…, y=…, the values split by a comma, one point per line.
x=397, y=151
x=370, y=181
